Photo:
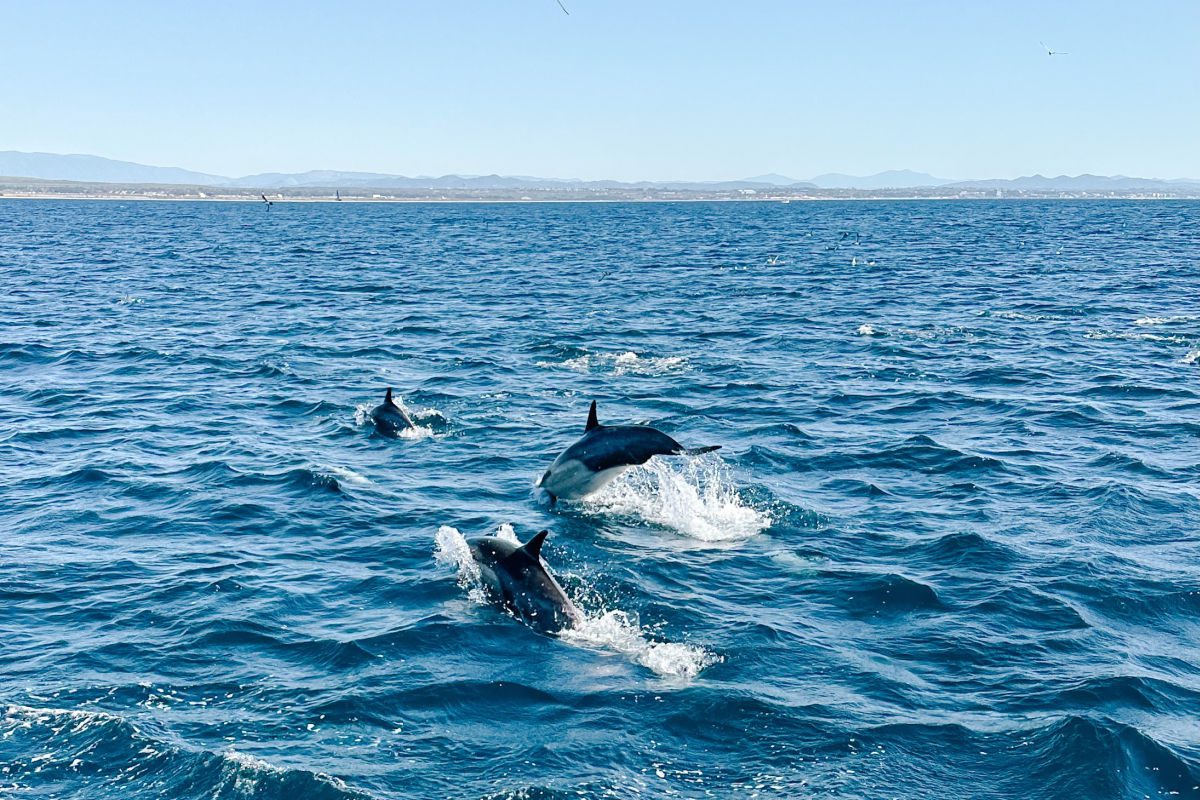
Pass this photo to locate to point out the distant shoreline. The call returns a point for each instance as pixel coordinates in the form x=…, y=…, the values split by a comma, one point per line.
x=863, y=197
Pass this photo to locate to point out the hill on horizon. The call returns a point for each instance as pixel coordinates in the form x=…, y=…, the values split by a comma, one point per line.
x=97, y=169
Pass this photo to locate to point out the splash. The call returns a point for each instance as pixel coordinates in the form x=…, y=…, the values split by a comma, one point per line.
x=607, y=629
x=619, y=631
x=1192, y=357
x=866, y=330
x=696, y=496
x=627, y=363
x=451, y=550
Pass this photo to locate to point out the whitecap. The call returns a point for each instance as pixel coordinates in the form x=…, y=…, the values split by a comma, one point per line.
x=1146, y=321
x=349, y=476
x=1192, y=357
x=693, y=495
x=1019, y=315
x=1134, y=337
x=866, y=330
x=626, y=363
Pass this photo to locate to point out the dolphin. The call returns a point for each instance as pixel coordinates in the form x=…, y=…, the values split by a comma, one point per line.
x=603, y=453
x=516, y=577
x=390, y=418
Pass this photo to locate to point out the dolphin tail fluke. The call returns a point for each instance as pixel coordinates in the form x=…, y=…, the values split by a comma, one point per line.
x=696, y=451
x=592, y=422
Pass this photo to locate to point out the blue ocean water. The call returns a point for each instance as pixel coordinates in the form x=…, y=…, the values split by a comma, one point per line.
x=950, y=548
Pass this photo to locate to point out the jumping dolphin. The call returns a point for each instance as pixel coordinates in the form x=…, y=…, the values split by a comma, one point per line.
x=515, y=576
x=603, y=453
x=390, y=418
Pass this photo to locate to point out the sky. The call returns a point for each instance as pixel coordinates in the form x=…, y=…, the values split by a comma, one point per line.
x=618, y=89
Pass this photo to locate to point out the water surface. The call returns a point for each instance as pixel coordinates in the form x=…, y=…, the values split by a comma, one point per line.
x=949, y=548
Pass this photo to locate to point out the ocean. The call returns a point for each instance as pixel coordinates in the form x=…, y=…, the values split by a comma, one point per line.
x=950, y=547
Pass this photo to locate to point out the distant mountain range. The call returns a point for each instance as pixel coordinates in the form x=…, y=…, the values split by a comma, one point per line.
x=50, y=166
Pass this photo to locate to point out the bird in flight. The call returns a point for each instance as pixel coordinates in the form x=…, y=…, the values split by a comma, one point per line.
x=1050, y=52
x=265, y=200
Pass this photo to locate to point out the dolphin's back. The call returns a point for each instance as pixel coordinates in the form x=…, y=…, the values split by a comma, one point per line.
x=523, y=585
x=621, y=445
x=390, y=419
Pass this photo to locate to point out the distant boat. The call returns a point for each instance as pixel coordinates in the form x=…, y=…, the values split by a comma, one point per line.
x=337, y=195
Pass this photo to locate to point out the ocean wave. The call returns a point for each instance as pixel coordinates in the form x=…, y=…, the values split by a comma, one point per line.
x=883, y=594
x=918, y=452
x=612, y=630
x=694, y=495
x=1066, y=756
x=43, y=746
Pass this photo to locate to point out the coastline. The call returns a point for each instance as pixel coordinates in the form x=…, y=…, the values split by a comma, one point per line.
x=865, y=197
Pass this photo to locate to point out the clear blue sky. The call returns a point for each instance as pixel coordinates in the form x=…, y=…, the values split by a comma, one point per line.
x=627, y=89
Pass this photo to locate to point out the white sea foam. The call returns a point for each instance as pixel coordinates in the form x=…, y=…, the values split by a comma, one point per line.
x=627, y=363
x=618, y=631
x=423, y=419
x=349, y=476
x=1134, y=337
x=56, y=719
x=693, y=495
x=1146, y=321
x=1192, y=357
x=242, y=773
x=608, y=629
x=866, y=330
x=1019, y=315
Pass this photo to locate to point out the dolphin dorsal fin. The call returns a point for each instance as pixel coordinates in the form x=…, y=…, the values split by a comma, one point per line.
x=533, y=548
x=387, y=398
x=592, y=422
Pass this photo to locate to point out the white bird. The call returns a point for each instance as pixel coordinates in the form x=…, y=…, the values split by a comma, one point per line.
x=1050, y=52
